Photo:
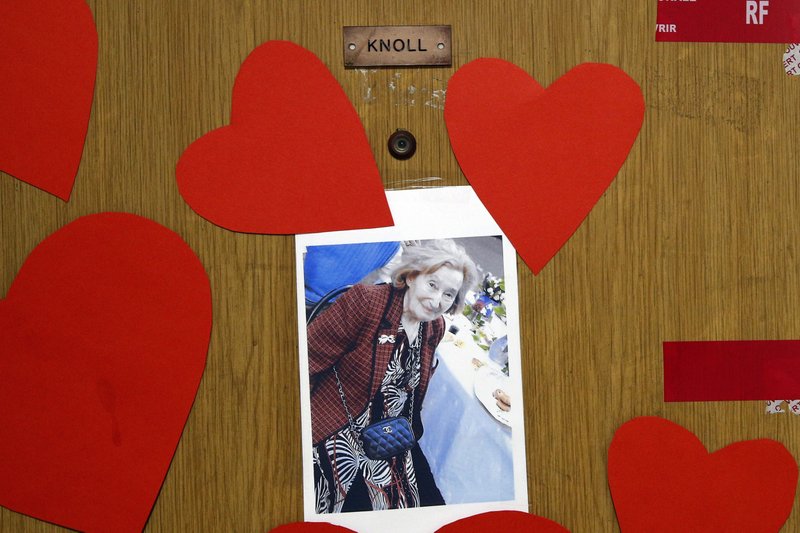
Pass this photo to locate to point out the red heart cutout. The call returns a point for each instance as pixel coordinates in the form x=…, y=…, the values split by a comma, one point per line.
x=48, y=62
x=310, y=527
x=105, y=334
x=504, y=521
x=663, y=479
x=539, y=159
x=295, y=158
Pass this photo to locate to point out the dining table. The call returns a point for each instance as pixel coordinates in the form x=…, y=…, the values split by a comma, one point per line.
x=468, y=449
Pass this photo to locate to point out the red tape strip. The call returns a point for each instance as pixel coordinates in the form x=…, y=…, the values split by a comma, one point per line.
x=723, y=21
x=707, y=371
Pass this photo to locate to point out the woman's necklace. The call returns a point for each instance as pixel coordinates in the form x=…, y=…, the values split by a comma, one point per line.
x=414, y=350
x=411, y=328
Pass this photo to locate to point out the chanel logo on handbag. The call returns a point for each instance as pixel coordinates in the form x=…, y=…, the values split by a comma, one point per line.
x=387, y=429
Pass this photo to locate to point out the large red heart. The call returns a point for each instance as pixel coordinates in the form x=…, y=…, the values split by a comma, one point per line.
x=310, y=527
x=104, y=334
x=510, y=521
x=506, y=521
x=663, y=479
x=540, y=159
x=48, y=62
x=295, y=158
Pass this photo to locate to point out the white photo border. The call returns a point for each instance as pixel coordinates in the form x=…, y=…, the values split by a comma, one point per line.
x=420, y=214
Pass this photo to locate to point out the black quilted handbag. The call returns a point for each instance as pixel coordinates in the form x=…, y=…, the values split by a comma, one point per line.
x=387, y=438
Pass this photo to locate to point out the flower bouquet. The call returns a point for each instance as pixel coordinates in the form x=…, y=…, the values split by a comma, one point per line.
x=482, y=305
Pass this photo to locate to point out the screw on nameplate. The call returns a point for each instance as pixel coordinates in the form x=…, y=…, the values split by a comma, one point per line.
x=397, y=46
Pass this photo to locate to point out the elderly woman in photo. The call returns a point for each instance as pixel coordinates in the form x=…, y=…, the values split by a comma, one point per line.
x=370, y=358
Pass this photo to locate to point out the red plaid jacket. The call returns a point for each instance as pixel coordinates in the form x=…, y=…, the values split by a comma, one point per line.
x=347, y=335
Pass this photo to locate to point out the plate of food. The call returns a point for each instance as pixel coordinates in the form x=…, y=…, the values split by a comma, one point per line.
x=492, y=390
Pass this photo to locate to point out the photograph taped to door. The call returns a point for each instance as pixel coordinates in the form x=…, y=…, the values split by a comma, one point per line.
x=400, y=331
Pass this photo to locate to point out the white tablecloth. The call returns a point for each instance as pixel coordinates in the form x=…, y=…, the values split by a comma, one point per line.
x=469, y=452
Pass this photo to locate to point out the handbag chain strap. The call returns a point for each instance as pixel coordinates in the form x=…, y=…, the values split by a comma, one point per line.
x=353, y=429
x=415, y=349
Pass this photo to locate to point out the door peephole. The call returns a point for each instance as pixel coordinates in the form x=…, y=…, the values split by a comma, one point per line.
x=402, y=144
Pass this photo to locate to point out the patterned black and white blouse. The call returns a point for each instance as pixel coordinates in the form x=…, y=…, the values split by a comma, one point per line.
x=344, y=479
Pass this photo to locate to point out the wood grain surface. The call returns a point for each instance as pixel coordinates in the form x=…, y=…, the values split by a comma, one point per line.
x=696, y=239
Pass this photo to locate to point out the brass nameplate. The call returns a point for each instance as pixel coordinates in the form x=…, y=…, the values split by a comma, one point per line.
x=397, y=46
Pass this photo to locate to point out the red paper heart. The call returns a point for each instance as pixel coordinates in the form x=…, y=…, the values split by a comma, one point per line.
x=663, y=479
x=295, y=158
x=48, y=62
x=104, y=334
x=540, y=159
x=310, y=527
x=506, y=521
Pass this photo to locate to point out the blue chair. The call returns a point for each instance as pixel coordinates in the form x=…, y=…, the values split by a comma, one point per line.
x=329, y=270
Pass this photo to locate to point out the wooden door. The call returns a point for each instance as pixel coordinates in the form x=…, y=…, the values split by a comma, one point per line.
x=696, y=239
